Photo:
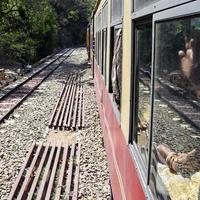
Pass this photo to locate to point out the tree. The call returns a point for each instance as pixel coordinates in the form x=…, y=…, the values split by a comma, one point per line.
x=25, y=28
x=31, y=29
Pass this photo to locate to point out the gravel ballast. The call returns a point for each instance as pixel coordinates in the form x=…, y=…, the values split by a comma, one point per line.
x=29, y=122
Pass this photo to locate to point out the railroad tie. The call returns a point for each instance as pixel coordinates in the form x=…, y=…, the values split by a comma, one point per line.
x=48, y=172
x=69, y=110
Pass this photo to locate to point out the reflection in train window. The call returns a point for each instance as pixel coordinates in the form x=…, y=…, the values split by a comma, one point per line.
x=142, y=3
x=175, y=165
x=144, y=43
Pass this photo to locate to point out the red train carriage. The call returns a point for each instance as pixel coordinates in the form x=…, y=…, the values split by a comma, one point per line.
x=146, y=61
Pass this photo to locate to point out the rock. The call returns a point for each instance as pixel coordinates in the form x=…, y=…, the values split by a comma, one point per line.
x=28, y=68
x=10, y=75
x=2, y=74
x=19, y=71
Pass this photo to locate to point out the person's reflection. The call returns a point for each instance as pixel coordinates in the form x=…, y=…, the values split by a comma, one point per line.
x=177, y=162
x=189, y=60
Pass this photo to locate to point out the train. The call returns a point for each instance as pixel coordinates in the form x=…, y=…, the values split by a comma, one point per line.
x=145, y=59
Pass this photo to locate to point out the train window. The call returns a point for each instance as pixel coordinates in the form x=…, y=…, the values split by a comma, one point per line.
x=116, y=69
x=104, y=38
x=99, y=48
x=143, y=65
x=104, y=50
x=117, y=10
x=96, y=39
x=105, y=16
x=100, y=42
x=96, y=46
x=175, y=159
x=138, y=4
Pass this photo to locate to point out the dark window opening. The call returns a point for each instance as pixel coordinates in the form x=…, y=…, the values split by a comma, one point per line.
x=116, y=65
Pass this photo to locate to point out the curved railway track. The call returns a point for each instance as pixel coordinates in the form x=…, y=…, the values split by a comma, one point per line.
x=13, y=98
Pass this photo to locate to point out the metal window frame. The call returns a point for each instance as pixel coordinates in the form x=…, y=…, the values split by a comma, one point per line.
x=156, y=7
x=142, y=170
x=117, y=22
x=134, y=151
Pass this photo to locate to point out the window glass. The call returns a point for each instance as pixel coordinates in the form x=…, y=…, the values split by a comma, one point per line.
x=99, y=47
x=96, y=46
x=144, y=43
x=104, y=49
x=142, y=3
x=100, y=50
x=117, y=9
x=105, y=16
x=175, y=165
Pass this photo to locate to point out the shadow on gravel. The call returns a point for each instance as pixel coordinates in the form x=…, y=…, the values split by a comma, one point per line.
x=68, y=68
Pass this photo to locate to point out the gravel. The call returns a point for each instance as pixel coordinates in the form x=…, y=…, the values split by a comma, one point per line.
x=29, y=122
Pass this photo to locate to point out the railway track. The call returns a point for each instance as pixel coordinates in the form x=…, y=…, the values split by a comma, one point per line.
x=187, y=107
x=14, y=97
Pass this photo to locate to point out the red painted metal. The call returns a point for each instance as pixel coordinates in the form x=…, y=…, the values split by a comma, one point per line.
x=124, y=178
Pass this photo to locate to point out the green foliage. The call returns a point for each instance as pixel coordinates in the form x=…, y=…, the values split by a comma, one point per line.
x=73, y=19
x=31, y=29
x=26, y=27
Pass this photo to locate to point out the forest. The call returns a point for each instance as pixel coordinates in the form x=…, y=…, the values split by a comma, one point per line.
x=33, y=29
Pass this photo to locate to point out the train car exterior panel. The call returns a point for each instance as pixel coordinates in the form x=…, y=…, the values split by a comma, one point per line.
x=121, y=167
x=126, y=71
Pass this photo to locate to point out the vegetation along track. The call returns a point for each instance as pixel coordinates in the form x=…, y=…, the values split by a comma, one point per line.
x=18, y=94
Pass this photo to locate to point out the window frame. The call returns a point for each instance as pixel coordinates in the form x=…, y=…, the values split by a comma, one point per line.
x=156, y=7
x=135, y=152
